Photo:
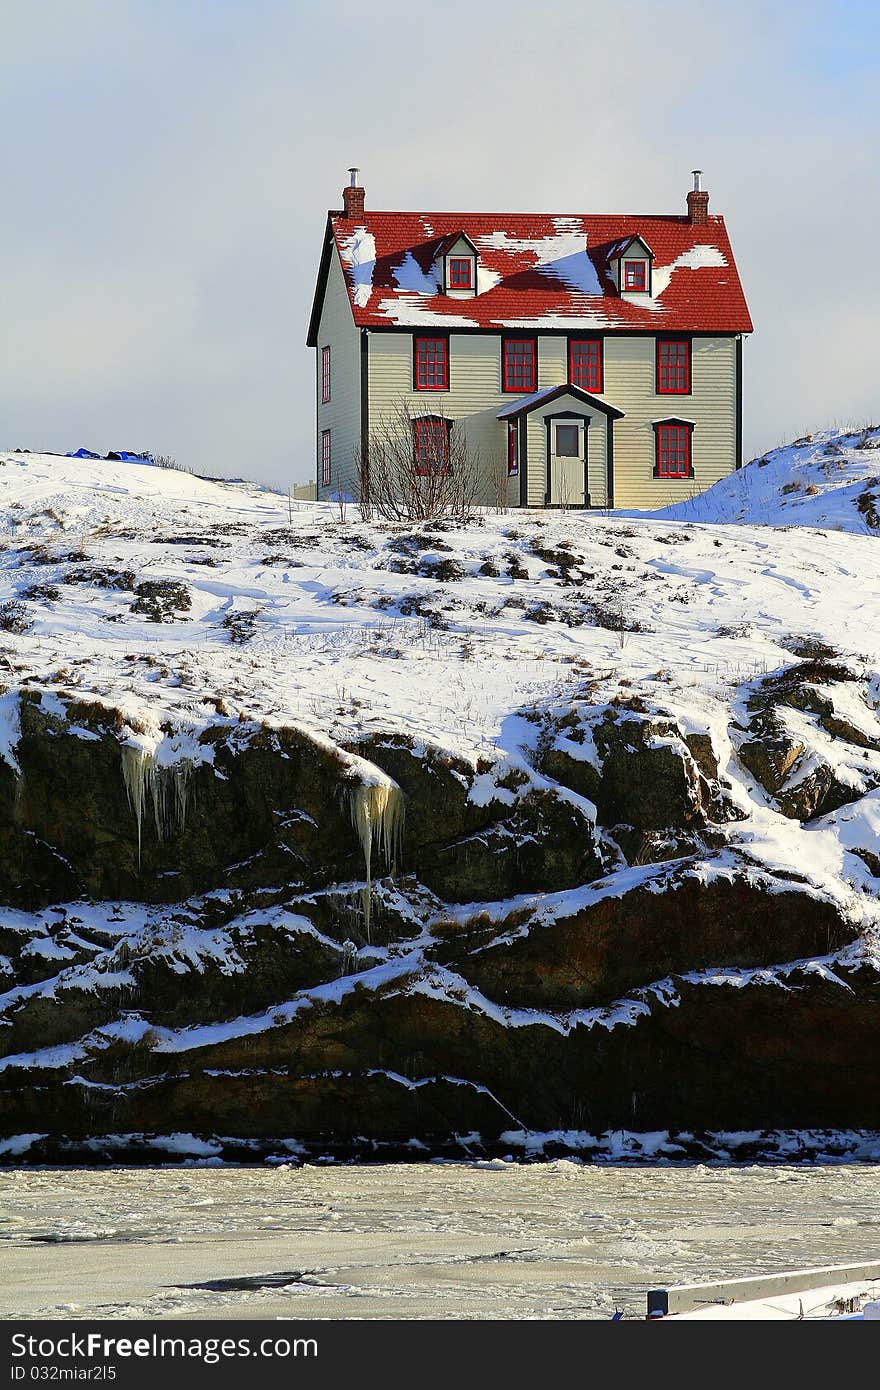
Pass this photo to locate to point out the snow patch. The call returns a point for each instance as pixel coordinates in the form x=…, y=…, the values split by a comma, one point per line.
x=562, y=257
x=10, y=728
x=410, y=276
x=359, y=251
x=18, y=1144
x=698, y=257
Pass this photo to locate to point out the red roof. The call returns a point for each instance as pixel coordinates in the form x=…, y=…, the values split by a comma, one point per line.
x=536, y=271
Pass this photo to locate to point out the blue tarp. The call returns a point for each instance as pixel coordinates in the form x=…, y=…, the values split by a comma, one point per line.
x=82, y=454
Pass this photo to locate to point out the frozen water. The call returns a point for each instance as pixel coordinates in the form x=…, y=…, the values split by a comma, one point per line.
x=550, y=1240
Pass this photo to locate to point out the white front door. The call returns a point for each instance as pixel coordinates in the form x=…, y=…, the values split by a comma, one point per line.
x=566, y=463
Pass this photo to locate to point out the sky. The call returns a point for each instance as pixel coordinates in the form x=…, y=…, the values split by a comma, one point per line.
x=169, y=165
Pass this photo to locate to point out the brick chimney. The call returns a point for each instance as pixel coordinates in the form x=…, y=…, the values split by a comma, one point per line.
x=698, y=202
x=353, y=197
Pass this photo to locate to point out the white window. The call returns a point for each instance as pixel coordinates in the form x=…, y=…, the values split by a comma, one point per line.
x=568, y=442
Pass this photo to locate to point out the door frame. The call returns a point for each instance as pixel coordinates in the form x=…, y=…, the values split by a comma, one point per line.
x=549, y=421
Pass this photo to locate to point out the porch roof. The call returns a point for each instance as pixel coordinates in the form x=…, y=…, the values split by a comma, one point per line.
x=524, y=404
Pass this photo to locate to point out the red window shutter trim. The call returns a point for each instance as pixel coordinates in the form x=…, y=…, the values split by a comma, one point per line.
x=585, y=364
x=634, y=275
x=673, y=366
x=460, y=273
x=431, y=364
x=431, y=446
x=673, y=451
x=325, y=458
x=519, y=364
x=325, y=375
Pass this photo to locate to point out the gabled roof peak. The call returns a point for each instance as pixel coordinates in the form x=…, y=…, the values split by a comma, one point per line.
x=446, y=242
x=620, y=248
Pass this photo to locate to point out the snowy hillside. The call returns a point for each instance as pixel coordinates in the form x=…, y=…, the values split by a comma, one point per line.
x=639, y=763
x=441, y=631
x=828, y=479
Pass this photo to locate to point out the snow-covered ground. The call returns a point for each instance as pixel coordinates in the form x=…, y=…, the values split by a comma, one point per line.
x=360, y=626
x=828, y=479
x=464, y=1240
x=449, y=632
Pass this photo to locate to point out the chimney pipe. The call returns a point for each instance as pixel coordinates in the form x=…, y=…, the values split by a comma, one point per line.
x=353, y=196
x=698, y=201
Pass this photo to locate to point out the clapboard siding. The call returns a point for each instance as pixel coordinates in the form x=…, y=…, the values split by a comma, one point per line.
x=342, y=413
x=630, y=385
x=552, y=361
x=474, y=396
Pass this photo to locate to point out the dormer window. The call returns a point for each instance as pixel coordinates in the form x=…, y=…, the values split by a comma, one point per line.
x=457, y=262
x=630, y=264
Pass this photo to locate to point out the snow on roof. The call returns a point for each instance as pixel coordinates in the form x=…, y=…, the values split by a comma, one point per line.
x=540, y=271
x=620, y=247
x=358, y=254
x=700, y=257
x=524, y=402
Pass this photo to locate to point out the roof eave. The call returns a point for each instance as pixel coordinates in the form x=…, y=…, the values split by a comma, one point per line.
x=564, y=389
x=321, y=283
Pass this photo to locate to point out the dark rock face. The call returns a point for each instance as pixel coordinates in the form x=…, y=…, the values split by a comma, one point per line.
x=792, y=766
x=656, y=789
x=619, y=943
x=222, y=976
x=67, y=827
x=398, y=1064
x=649, y=779
x=513, y=839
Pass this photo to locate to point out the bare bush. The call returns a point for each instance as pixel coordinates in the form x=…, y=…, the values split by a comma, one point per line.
x=417, y=467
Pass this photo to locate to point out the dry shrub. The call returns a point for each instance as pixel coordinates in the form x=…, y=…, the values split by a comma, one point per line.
x=394, y=486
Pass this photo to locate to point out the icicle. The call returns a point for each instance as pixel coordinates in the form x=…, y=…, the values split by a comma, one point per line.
x=167, y=787
x=138, y=770
x=377, y=816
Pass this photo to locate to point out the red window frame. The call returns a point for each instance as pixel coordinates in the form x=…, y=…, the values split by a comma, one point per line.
x=512, y=459
x=635, y=275
x=428, y=434
x=673, y=366
x=325, y=458
x=325, y=375
x=461, y=273
x=431, y=364
x=673, y=451
x=585, y=363
x=519, y=365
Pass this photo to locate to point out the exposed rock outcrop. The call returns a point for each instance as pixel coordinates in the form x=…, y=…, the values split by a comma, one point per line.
x=810, y=758
x=223, y=950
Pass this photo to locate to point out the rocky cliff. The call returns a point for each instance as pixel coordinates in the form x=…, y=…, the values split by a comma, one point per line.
x=642, y=895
